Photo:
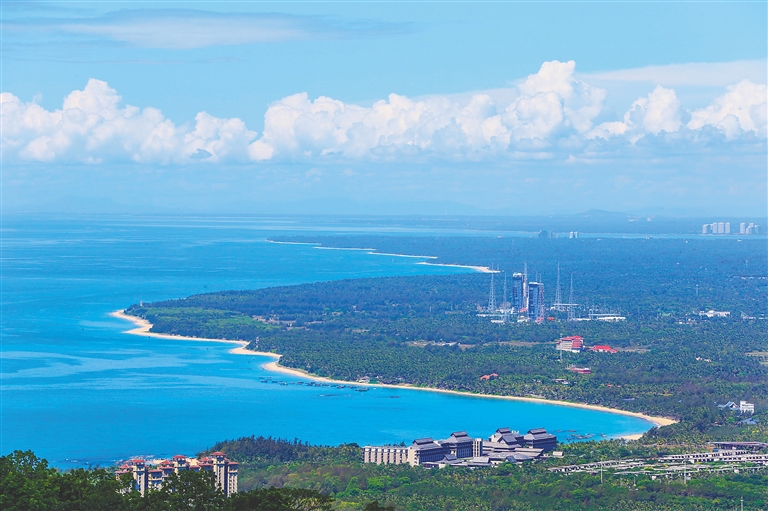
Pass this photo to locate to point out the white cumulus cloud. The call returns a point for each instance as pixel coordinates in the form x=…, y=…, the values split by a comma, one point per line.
x=550, y=114
x=91, y=126
x=548, y=102
x=658, y=111
x=741, y=109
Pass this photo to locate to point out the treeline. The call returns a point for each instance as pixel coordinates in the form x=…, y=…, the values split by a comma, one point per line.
x=27, y=483
x=270, y=451
x=516, y=487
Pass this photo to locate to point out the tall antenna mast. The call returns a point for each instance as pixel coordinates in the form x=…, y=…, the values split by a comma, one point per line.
x=570, y=301
x=492, y=294
x=558, y=298
x=525, y=285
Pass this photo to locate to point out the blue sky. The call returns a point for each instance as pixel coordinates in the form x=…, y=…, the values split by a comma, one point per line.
x=347, y=107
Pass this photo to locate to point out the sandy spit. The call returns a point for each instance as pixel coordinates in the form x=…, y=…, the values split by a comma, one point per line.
x=372, y=251
x=481, y=269
x=143, y=326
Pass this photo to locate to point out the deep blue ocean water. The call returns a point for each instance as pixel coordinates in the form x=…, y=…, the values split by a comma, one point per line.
x=78, y=391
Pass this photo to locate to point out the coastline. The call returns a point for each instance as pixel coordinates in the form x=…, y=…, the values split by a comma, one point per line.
x=658, y=421
x=481, y=269
x=373, y=251
x=143, y=326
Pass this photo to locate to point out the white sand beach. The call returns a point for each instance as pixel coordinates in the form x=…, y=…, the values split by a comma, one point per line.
x=143, y=327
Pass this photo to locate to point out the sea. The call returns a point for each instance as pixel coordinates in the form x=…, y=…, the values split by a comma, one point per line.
x=78, y=391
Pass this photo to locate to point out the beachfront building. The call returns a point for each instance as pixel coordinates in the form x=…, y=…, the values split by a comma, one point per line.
x=151, y=475
x=504, y=446
x=385, y=454
x=425, y=450
x=504, y=441
x=539, y=439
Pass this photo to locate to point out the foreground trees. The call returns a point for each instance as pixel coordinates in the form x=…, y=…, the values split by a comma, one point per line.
x=303, y=484
x=27, y=483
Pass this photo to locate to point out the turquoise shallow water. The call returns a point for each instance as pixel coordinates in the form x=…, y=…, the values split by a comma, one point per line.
x=77, y=390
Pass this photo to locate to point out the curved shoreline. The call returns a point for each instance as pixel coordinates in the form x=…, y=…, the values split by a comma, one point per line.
x=374, y=251
x=143, y=326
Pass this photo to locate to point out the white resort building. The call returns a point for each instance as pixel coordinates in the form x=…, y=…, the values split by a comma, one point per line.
x=153, y=474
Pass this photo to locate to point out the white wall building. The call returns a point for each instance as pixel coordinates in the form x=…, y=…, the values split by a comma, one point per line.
x=745, y=407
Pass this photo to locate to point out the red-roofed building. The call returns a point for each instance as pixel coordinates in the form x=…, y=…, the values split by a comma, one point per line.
x=572, y=343
x=603, y=349
x=491, y=376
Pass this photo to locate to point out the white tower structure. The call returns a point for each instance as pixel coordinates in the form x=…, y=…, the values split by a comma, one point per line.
x=492, y=295
x=525, y=285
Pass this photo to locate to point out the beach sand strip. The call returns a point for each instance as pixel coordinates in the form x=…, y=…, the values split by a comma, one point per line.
x=143, y=326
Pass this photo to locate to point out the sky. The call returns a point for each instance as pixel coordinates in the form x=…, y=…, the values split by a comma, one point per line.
x=480, y=108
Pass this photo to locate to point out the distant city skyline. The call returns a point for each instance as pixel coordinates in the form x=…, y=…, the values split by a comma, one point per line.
x=373, y=108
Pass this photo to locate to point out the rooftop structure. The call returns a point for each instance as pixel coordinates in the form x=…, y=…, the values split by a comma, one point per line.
x=603, y=349
x=594, y=316
x=714, y=314
x=539, y=439
x=753, y=446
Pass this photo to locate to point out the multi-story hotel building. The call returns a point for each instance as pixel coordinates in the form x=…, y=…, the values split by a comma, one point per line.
x=503, y=446
x=385, y=454
x=152, y=475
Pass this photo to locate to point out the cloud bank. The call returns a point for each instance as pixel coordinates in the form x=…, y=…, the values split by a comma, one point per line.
x=551, y=114
x=92, y=128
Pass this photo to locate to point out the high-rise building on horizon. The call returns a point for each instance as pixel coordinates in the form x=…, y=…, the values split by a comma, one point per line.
x=536, y=309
